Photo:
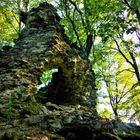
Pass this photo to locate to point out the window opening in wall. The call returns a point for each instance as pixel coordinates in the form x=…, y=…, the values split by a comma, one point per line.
x=46, y=77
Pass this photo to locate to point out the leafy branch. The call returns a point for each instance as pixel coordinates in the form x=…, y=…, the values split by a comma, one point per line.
x=135, y=9
x=133, y=63
x=71, y=21
x=9, y=21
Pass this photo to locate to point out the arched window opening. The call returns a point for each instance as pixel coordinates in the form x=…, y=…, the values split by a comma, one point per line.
x=45, y=79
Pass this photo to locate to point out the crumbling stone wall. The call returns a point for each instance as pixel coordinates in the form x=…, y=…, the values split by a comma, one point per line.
x=43, y=45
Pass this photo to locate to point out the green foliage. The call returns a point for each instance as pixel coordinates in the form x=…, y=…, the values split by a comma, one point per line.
x=47, y=76
x=7, y=32
x=105, y=113
x=10, y=24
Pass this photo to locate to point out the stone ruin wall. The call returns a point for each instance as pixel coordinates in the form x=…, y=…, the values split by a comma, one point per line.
x=43, y=45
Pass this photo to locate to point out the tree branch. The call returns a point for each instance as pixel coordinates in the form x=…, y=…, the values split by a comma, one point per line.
x=119, y=72
x=127, y=60
x=90, y=33
x=138, y=111
x=135, y=9
x=135, y=66
x=79, y=11
x=89, y=43
x=72, y=23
